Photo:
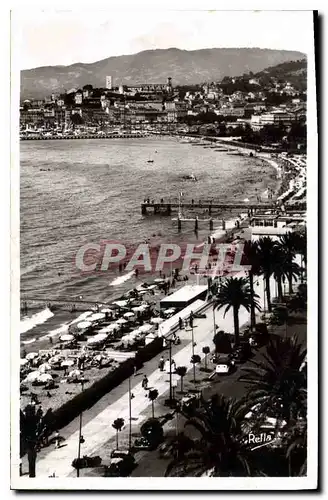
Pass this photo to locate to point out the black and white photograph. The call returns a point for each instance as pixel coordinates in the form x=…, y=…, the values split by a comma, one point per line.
x=164, y=239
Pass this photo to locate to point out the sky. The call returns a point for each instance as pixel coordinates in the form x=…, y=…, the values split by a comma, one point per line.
x=65, y=37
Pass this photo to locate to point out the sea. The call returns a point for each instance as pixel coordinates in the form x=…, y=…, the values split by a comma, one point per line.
x=74, y=192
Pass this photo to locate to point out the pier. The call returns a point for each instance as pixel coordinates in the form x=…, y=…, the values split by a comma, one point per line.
x=166, y=207
x=56, y=304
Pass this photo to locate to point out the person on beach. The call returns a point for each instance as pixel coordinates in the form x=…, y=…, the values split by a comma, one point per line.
x=56, y=439
x=50, y=340
x=161, y=364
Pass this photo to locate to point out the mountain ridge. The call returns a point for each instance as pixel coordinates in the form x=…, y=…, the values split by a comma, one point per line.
x=153, y=66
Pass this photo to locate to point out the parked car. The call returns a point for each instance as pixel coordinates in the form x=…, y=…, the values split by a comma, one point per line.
x=225, y=365
x=85, y=461
x=122, y=463
x=242, y=353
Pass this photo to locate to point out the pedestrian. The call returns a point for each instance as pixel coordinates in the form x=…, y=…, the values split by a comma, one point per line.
x=20, y=468
x=135, y=369
x=161, y=363
x=50, y=340
x=167, y=366
x=56, y=439
x=180, y=323
x=173, y=366
x=144, y=384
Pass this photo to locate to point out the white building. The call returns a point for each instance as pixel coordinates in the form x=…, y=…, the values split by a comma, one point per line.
x=109, y=82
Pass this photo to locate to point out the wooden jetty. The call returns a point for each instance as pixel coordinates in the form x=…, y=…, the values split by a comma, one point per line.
x=166, y=207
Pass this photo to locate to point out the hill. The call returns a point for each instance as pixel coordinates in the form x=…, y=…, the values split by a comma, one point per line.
x=154, y=66
x=294, y=72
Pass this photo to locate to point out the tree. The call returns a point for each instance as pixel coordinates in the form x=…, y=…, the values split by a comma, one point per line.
x=206, y=350
x=220, y=448
x=278, y=383
x=181, y=371
x=152, y=430
x=289, y=243
x=118, y=425
x=251, y=258
x=222, y=342
x=267, y=253
x=32, y=427
x=235, y=293
x=152, y=395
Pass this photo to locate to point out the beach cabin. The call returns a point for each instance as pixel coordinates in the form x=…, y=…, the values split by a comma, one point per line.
x=184, y=297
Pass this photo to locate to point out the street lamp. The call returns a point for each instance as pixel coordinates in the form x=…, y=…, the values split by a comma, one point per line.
x=81, y=438
x=131, y=396
x=192, y=348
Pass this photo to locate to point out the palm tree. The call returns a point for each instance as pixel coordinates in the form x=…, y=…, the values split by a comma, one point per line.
x=277, y=383
x=220, y=448
x=251, y=258
x=296, y=444
x=152, y=395
x=206, y=350
x=290, y=242
x=118, y=425
x=302, y=249
x=283, y=267
x=267, y=254
x=32, y=427
x=235, y=293
x=181, y=371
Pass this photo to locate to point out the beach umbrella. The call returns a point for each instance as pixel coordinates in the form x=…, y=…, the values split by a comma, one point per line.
x=156, y=321
x=106, y=310
x=67, y=337
x=55, y=359
x=83, y=324
x=121, y=321
x=32, y=376
x=44, y=367
x=32, y=355
x=109, y=328
x=74, y=373
x=23, y=362
x=121, y=303
x=128, y=315
x=44, y=378
x=145, y=328
x=97, y=317
x=67, y=362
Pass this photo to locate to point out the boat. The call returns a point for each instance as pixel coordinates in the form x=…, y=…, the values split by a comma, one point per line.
x=190, y=177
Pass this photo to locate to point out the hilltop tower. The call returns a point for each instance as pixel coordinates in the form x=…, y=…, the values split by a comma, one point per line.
x=169, y=87
x=109, y=82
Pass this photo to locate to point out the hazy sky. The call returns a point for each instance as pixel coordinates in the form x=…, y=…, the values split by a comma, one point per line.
x=65, y=37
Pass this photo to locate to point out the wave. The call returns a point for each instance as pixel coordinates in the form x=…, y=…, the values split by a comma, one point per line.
x=121, y=279
x=25, y=342
x=36, y=319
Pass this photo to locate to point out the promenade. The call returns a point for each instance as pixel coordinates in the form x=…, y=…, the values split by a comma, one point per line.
x=97, y=428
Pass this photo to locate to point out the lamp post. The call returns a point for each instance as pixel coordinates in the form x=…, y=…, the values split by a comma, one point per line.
x=191, y=329
x=81, y=439
x=130, y=415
